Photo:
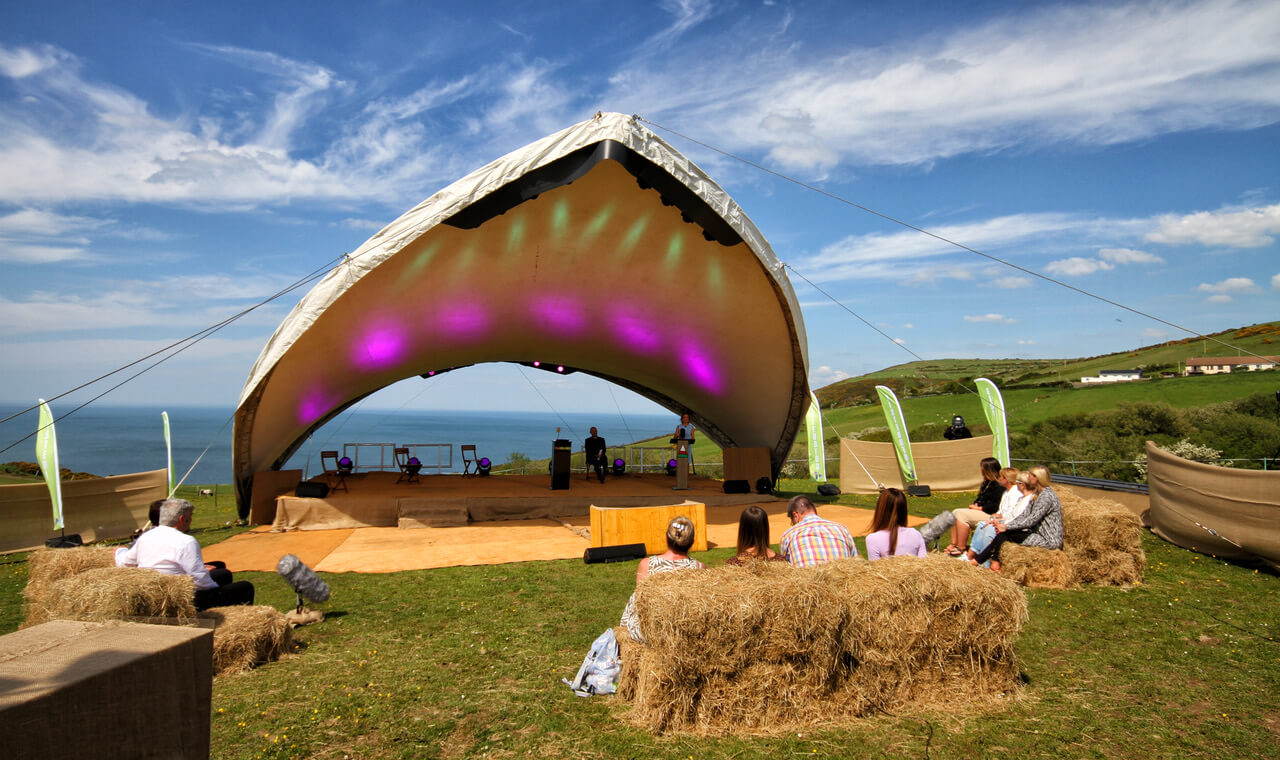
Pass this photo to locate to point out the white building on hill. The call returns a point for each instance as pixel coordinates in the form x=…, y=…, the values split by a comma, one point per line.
x=1216, y=365
x=1114, y=376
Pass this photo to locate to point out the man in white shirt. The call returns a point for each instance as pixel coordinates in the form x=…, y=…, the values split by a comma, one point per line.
x=168, y=549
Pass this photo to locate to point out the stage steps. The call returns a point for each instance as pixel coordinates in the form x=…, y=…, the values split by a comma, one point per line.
x=433, y=513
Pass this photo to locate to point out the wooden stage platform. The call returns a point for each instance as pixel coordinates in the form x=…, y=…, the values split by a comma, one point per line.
x=376, y=500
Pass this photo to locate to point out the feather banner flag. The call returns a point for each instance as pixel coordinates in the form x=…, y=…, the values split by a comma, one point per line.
x=168, y=448
x=817, y=450
x=898, y=430
x=993, y=407
x=47, y=458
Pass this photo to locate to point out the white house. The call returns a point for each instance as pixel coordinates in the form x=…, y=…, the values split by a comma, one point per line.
x=1114, y=376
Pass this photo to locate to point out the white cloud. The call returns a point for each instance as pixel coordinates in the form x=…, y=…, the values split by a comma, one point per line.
x=1234, y=228
x=1094, y=74
x=1219, y=298
x=1026, y=342
x=826, y=375
x=1226, y=290
x=1078, y=266
x=1128, y=256
x=910, y=326
x=1011, y=283
x=1275, y=281
x=17, y=253
x=899, y=341
x=993, y=318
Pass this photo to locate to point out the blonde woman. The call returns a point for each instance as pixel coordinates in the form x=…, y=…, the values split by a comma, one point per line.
x=1040, y=525
x=676, y=557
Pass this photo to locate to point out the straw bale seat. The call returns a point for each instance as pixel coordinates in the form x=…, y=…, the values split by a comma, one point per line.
x=84, y=584
x=1102, y=545
x=767, y=648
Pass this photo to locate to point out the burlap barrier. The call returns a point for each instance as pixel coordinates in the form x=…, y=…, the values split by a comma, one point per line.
x=767, y=648
x=1228, y=513
x=96, y=508
x=941, y=465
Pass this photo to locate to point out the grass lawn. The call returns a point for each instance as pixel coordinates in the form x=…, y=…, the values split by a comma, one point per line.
x=467, y=662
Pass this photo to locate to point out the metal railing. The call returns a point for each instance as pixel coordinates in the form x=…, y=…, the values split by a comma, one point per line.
x=443, y=455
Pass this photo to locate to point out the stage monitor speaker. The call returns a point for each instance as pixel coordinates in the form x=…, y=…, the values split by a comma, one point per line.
x=737, y=486
x=918, y=490
x=619, y=553
x=764, y=485
x=311, y=490
x=828, y=489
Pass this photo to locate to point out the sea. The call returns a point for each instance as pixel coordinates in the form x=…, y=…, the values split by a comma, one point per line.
x=113, y=440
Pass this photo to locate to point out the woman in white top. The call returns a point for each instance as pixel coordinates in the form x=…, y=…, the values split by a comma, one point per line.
x=680, y=535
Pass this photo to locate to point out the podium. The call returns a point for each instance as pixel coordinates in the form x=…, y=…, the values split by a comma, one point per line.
x=682, y=464
x=560, y=451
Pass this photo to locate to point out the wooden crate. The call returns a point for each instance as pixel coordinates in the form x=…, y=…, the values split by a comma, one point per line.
x=611, y=526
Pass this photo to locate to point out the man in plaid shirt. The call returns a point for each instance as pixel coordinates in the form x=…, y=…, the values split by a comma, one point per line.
x=812, y=540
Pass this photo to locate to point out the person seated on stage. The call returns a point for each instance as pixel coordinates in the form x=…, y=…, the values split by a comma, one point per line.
x=680, y=535
x=594, y=449
x=753, y=538
x=1040, y=525
x=987, y=503
x=890, y=535
x=812, y=540
x=168, y=549
x=958, y=430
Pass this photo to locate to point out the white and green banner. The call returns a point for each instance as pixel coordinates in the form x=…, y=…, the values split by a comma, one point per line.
x=47, y=458
x=898, y=430
x=168, y=448
x=817, y=449
x=993, y=407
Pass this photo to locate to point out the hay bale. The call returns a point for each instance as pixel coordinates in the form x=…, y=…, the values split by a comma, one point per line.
x=766, y=647
x=45, y=566
x=1102, y=545
x=245, y=637
x=112, y=593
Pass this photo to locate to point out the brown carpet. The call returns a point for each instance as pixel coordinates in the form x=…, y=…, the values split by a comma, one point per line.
x=389, y=550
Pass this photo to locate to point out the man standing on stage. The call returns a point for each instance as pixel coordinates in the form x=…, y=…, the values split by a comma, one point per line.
x=594, y=448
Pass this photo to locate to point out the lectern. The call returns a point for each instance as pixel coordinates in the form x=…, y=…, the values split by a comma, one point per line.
x=682, y=464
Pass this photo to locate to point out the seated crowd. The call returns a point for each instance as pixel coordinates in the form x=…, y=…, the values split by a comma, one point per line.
x=1011, y=506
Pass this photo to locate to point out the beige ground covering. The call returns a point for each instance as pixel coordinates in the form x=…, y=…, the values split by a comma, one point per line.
x=1189, y=499
x=941, y=465
x=96, y=508
x=390, y=550
x=767, y=648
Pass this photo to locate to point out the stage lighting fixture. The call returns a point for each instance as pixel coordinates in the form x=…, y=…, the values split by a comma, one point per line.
x=414, y=465
x=432, y=373
x=345, y=465
x=484, y=465
x=619, y=467
x=560, y=369
x=537, y=364
x=671, y=467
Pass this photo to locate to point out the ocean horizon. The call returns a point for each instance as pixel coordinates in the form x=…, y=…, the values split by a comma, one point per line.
x=118, y=439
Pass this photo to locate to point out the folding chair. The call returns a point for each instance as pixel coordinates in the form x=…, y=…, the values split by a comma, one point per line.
x=469, y=460
x=329, y=461
x=409, y=466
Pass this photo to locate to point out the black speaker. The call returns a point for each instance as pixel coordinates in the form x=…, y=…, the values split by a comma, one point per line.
x=828, y=489
x=560, y=450
x=308, y=489
x=619, y=553
x=737, y=486
x=918, y=490
x=764, y=485
x=68, y=541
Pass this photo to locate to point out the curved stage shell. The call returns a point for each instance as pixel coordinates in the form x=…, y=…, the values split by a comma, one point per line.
x=599, y=248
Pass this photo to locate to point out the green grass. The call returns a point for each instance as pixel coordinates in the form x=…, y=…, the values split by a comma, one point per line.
x=466, y=662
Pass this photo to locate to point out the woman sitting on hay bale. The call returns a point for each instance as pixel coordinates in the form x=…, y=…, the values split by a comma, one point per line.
x=1014, y=503
x=890, y=535
x=753, y=538
x=1040, y=525
x=676, y=557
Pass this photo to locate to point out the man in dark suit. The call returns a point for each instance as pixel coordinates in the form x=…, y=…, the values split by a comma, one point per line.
x=594, y=448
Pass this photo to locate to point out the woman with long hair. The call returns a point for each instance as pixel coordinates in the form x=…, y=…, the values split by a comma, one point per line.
x=889, y=532
x=986, y=503
x=1040, y=524
x=680, y=534
x=753, y=538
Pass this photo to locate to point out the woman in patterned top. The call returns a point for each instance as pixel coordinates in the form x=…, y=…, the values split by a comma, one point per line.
x=1039, y=525
x=676, y=557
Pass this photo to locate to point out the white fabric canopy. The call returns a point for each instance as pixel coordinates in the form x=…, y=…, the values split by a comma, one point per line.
x=600, y=248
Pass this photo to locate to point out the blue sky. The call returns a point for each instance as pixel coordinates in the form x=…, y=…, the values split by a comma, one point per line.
x=163, y=167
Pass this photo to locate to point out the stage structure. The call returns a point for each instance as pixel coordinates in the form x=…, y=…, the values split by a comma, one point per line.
x=598, y=249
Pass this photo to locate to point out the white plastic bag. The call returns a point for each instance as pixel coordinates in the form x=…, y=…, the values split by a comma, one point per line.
x=600, y=668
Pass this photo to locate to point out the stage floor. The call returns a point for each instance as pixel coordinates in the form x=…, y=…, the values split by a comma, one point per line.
x=389, y=550
x=377, y=500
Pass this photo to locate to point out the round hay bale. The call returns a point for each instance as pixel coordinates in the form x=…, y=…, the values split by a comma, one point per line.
x=246, y=636
x=767, y=648
x=113, y=593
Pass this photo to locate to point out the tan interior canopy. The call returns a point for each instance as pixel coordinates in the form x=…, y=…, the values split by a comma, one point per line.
x=599, y=249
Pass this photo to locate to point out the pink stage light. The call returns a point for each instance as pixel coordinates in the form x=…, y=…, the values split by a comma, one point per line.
x=561, y=315
x=379, y=347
